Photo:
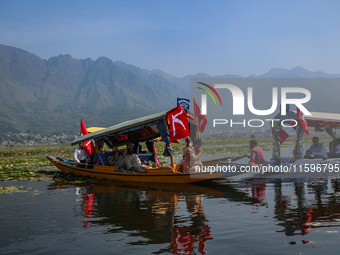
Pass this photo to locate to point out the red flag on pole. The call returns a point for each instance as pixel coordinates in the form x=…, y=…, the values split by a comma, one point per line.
x=178, y=124
x=282, y=136
x=202, y=120
x=88, y=144
x=301, y=120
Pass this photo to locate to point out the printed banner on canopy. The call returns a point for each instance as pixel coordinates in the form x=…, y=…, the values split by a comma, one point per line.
x=283, y=135
x=88, y=144
x=178, y=124
x=184, y=102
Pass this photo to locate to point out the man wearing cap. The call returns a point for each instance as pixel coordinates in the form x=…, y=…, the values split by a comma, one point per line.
x=318, y=149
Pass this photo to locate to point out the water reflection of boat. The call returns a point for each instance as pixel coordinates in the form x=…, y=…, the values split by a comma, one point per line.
x=151, y=215
x=212, y=189
x=176, y=216
x=313, y=205
x=209, y=189
x=133, y=131
x=300, y=205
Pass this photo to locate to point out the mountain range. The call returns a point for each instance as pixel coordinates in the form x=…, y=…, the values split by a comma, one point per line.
x=50, y=96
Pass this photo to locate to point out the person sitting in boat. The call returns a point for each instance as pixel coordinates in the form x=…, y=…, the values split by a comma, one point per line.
x=257, y=154
x=80, y=154
x=118, y=158
x=308, y=155
x=318, y=149
x=134, y=161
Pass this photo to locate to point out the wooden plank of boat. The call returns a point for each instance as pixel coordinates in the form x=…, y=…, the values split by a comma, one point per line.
x=157, y=175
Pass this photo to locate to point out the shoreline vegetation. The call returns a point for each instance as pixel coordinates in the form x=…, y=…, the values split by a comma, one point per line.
x=30, y=163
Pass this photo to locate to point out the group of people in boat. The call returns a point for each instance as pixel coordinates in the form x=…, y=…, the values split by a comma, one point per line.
x=128, y=158
x=122, y=159
x=318, y=150
x=192, y=154
x=125, y=158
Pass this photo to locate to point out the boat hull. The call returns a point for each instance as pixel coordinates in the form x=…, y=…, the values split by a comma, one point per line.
x=151, y=175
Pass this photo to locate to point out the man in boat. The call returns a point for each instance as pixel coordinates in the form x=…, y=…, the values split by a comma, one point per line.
x=318, y=149
x=133, y=159
x=257, y=154
x=198, y=152
x=80, y=154
x=308, y=155
x=119, y=159
x=192, y=155
x=188, y=155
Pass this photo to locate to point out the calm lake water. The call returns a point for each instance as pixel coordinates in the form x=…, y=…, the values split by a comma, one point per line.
x=253, y=216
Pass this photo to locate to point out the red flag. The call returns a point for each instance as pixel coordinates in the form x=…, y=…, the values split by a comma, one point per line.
x=282, y=136
x=178, y=123
x=202, y=120
x=88, y=144
x=301, y=120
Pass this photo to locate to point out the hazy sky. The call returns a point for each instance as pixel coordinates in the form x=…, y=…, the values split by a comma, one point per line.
x=180, y=37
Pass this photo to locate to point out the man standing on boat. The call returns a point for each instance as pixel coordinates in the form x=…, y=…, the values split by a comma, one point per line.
x=257, y=154
x=188, y=155
x=318, y=149
x=80, y=154
x=197, y=145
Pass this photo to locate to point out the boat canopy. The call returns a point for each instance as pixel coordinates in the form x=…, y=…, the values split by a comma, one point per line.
x=147, y=127
x=323, y=119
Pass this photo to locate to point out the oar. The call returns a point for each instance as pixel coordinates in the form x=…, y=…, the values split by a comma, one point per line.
x=234, y=158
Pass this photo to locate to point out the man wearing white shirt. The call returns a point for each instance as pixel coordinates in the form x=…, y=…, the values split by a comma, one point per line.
x=318, y=149
x=80, y=154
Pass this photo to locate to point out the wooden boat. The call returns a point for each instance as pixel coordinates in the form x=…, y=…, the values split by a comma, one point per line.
x=320, y=121
x=151, y=174
x=148, y=127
